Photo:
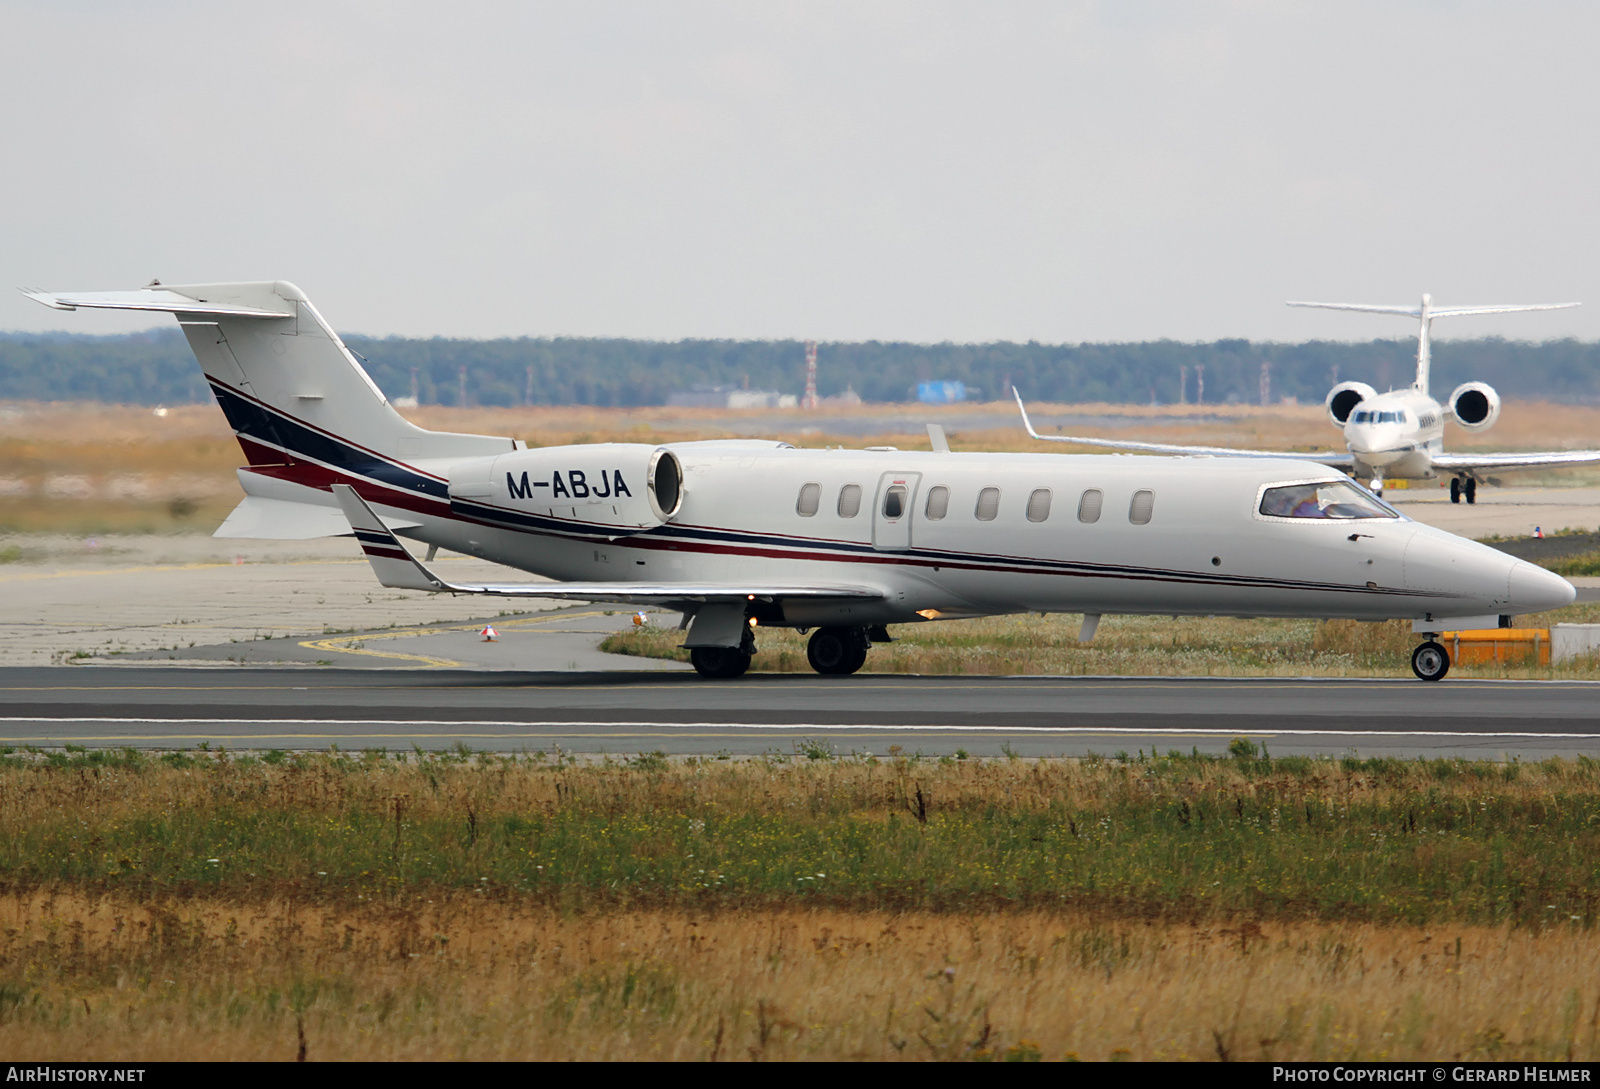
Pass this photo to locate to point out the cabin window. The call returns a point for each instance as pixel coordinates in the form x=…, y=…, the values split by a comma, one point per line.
x=1039, y=505
x=1089, y=506
x=1328, y=499
x=938, y=503
x=1142, y=507
x=988, y=504
x=894, y=501
x=849, y=501
x=810, y=498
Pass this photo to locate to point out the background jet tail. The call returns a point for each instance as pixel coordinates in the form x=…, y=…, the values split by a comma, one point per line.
x=1425, y=313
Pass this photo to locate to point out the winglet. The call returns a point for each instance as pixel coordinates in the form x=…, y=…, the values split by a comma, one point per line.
x=1025, y=421
x=390, y=561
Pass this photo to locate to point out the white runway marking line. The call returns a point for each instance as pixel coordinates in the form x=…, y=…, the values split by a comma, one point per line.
x=1162, y=731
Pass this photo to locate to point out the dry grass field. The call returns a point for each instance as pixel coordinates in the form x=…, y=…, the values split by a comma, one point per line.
x=89, y=468
x=474, y=907
x=107, y=978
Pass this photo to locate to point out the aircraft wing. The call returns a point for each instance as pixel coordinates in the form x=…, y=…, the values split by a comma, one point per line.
x=1341, y=460
x=1548, y=458
x=396, y=567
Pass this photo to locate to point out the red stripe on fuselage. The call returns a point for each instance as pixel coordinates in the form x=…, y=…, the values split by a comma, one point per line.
x=295, y=468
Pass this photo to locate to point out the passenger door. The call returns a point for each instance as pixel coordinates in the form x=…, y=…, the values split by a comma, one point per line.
x=891, y=511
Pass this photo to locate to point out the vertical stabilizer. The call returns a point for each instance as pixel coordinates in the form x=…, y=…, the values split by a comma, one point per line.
x=290, y=388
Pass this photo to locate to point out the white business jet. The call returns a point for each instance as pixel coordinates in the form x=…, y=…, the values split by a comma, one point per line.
x=735, y=534
x=1395, y=435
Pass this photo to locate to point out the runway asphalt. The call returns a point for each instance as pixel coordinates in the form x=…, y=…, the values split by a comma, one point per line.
x=629, y=712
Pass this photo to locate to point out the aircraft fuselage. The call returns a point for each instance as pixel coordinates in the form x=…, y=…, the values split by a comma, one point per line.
x=1395, y=435
x=1009, y=533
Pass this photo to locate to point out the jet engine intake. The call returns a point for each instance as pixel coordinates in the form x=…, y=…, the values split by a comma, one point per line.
x=1475, y=406
x=630, y=487
x=1343, y=399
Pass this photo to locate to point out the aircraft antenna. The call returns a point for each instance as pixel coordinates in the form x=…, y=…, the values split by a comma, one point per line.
x=811, y=375
x=1425, y=315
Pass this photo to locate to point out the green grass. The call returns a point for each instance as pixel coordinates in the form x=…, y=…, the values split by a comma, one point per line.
x=1160, y=837
x=1130, y=645
x=1583, y=565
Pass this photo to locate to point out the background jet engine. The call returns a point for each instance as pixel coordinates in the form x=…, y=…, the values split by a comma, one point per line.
x=1476, y=406
x=1343, y=398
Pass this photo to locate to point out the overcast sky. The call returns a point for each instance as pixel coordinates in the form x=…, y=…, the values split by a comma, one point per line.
x=845, y=171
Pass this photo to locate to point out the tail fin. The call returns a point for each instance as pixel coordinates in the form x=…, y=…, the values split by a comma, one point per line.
x=290, y=388
x=1426, y=313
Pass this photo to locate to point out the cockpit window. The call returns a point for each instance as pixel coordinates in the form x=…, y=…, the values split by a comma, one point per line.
x=1329, y=499
x=1367, y=416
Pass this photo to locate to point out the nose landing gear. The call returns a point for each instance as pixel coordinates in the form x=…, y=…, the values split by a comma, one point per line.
x=1430, y=661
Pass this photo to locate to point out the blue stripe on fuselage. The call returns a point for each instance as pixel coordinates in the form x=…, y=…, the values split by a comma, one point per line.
x=256, y=421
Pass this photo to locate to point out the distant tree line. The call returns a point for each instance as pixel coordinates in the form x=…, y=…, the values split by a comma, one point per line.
x=157, y=368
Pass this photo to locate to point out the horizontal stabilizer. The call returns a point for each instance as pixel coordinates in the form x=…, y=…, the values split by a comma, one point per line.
x=1338, y=460
x=159, y=299
x=1427, y=310
x=269, y=519
x=395, y=566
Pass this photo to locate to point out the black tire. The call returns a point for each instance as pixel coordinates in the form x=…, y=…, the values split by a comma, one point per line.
x=719, y=663
x=1455, y=489
x=1470, y=490
x=837, y=652
x=1430, y=661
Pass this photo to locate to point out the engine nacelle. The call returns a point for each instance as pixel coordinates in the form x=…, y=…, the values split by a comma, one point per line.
x=622, y=486
x=1475, y=405
x=1343, y=399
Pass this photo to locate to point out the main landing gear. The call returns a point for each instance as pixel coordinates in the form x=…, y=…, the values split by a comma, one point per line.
x=1463, y=486
x=723, y=663
x=832, y=651
x=1430, y=661
x=838, y=651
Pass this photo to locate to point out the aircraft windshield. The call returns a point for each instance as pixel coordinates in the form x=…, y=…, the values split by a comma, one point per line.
x=1380, y=417
x=1330, y=499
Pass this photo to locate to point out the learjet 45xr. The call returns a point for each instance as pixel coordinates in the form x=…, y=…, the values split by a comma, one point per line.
x=741, y=534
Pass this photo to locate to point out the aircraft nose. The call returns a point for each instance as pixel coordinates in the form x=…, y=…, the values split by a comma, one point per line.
x=1535, y=590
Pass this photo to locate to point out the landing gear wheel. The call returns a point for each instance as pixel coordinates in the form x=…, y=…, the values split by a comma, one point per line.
x=837, y=651
x=1430, y=661
x=1455, y=489
x=1470, y=490
x=719, y=663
